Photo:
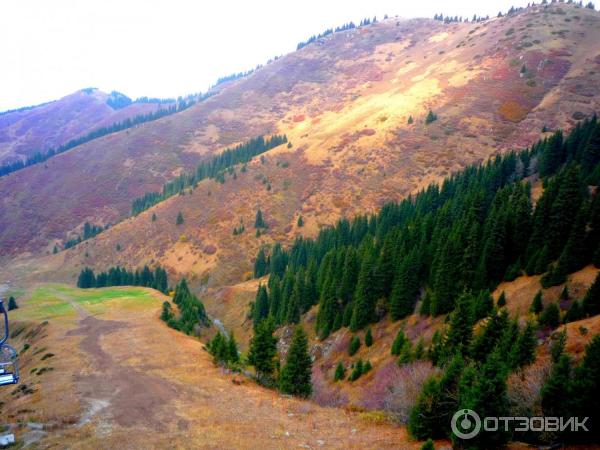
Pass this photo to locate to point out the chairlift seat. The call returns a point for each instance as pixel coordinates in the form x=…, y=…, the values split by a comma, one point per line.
x=9, y=367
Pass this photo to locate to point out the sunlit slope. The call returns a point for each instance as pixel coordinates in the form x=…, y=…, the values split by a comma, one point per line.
x=103, y=371
x=344, y=102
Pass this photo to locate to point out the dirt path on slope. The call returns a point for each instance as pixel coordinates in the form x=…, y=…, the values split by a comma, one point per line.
x=131, y=396
x=147, y=386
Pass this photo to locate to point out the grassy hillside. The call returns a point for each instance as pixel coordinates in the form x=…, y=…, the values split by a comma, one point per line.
x=99, y=369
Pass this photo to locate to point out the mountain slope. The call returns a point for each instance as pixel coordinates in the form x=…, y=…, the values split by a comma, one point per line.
x=344, y=102
x=142, y=394
x=37, y=129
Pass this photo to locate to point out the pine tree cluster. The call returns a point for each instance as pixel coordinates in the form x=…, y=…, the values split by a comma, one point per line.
x=214, y=168
x=120, y=276
x=191, y=310
x=475, y=367
x=89, y=231
x=473, y=231
x=224, y=350
x=330, y=31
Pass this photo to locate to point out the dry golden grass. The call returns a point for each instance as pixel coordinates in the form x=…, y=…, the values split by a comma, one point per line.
x=123, y=379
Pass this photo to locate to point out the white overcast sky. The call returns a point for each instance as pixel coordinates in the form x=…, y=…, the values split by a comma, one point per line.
x=166, y=48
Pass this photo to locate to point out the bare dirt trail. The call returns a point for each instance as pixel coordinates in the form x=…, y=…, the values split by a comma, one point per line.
x=144, y=385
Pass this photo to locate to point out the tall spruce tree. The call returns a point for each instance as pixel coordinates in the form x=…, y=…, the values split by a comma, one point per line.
x=261, y=305
x=364, y=300
x=461, y=326
x=591, y=301
x=486, y=393
x=260, y=264
x=296, y=374
x=263, y=348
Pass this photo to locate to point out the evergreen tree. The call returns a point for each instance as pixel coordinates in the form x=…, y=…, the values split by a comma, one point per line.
x=559, y=342
x=486, y=393
x=368, y=338
x=218, y=348
x=300, y=222
x=406, y=353
x=259, y=221
x=575, y=254
x=490, y=336
x=86, y=279
x=564, y=210
x=357, y=371
x=484, y=304
x=537, y=306
x=260, y=264
x=261, y=305
x=295, y=301
x=419, y=350
x=405, y=288
x=410, y=120
x=367, y=366
x=590, y=157
x=263, y=348
x=551, y=155
x=435, y=350
x=340, y=372
x=424, y=420
x=232, y=349
x=524, y=349
x=12, y=303
x=398, y=343
x=461, y=326
x=167, y=314
x=431, y=117
x=575, y=312
x=550, y=317
x=501, y=300
x=179, y=220
x=586, y=390
x=556, y=392
x=364, y=301
x=591, y=301
x=428, y=445
x=295, y=376
x=354, y=345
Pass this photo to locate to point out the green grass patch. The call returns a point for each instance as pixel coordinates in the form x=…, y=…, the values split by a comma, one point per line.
x=55, y=301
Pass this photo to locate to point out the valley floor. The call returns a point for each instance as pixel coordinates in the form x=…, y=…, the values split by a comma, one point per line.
x=119, y=378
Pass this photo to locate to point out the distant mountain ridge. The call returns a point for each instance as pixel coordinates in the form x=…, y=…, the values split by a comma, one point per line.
x=36, y=129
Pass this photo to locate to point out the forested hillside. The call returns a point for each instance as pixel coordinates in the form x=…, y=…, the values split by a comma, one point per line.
x=444, y=251
x=477, y=228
